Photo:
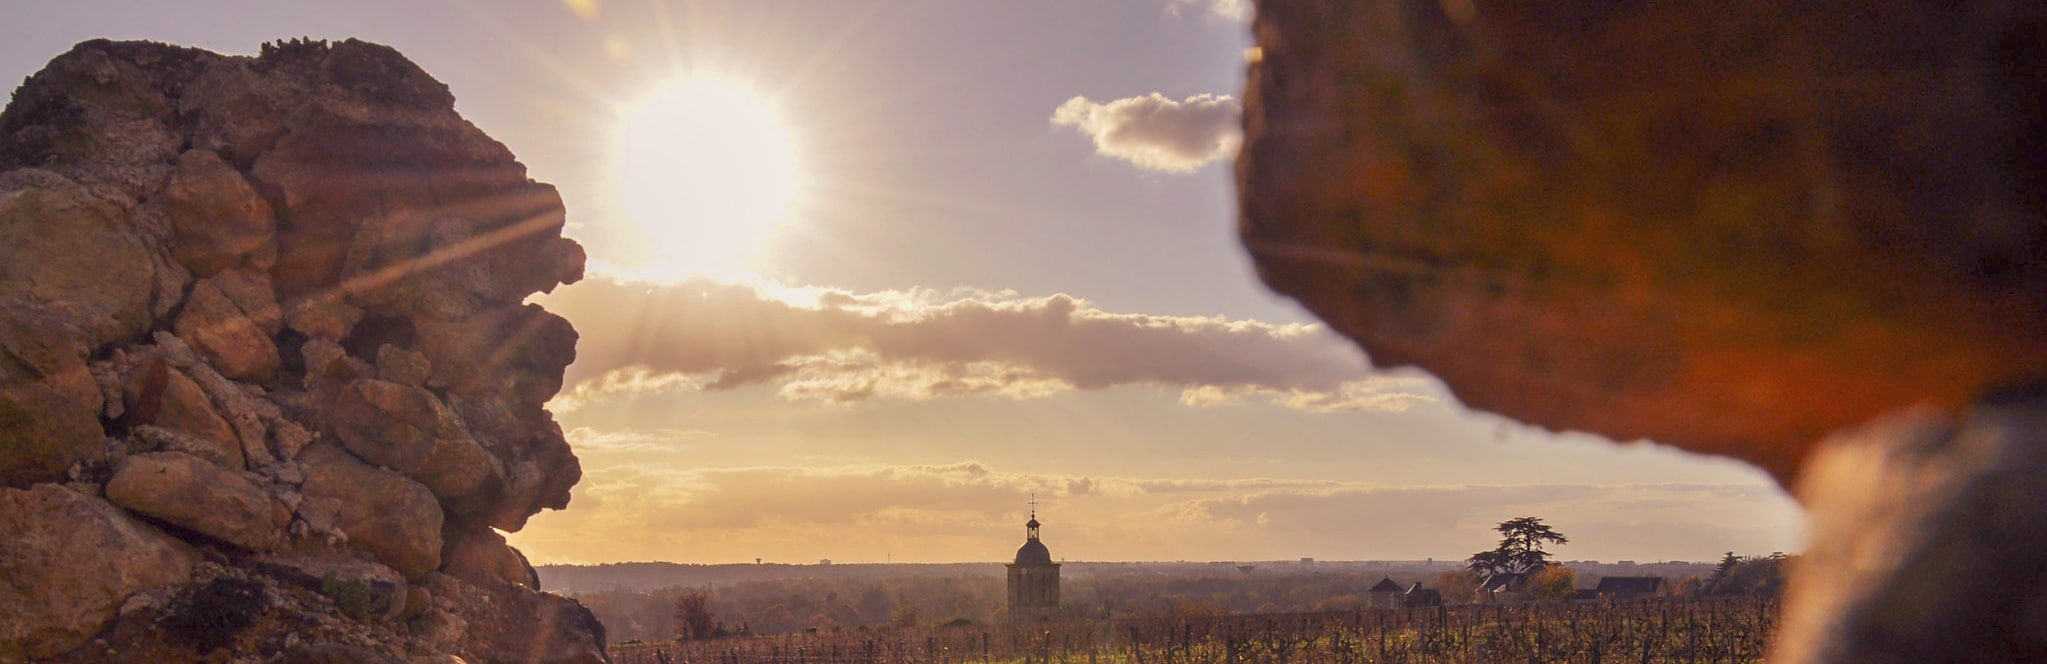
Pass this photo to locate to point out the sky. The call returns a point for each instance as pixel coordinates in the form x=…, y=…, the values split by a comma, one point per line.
x=868, y=275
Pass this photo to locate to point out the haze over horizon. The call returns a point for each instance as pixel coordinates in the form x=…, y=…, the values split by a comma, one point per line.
x=865, y=276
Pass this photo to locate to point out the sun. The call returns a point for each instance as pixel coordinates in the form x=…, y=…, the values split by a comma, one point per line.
x=706, y=172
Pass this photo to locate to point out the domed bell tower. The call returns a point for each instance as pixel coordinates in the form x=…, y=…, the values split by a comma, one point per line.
x=1033, y=578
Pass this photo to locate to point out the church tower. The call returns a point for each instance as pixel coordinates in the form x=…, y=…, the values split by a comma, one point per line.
x=1033, y=578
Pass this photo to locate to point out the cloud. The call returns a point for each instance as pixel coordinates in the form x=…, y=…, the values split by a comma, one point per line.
x=969, y=510
x=625, y=382
x=843, y=347
x=1379, y=393
x=587, y=439
x=1155, y=132
x=1235, y=10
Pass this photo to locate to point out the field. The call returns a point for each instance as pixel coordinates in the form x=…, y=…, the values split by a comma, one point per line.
x=1664, y=630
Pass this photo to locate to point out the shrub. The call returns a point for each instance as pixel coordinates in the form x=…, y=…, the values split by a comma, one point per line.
x=208, y=617
x=356, y=598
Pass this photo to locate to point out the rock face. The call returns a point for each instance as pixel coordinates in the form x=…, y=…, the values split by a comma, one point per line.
x=1733, y=227
x=1682, y=212
x=275, y=305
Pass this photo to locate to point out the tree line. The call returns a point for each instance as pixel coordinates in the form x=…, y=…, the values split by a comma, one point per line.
x=866, y=604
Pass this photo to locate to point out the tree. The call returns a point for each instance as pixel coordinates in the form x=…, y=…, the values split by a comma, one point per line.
x=778, y=619
x=1520, y=550
x=693, y=618
x=1754, y=576
x=1688, y=587
x=1556, y=582
x=1722, y=571
x=1486, y=563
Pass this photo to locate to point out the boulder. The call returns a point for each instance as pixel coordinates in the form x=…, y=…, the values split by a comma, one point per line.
x=463, y=474
x=194, y=494
x=392, y=425
x=225, y=335
x=409, y=430
x=530, y=486
x=1677, y=222
x=70, y=250
x=218, y=216
x=49, y=400
x=394, y=519
x=518, y=352
x=326, y=317
x=157, y=395
x=42, y=434
x=245, y=407
x=71, y=560
x=251, y=292
x=37, y=347
x=402, y=366
x=479, y=555
x=489, y=616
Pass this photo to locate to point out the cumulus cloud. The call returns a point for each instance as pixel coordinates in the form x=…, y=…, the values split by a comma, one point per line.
x=839, y=346
x=970, y=510
x=1155, y=132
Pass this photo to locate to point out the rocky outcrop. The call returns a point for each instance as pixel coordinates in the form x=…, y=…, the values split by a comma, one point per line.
x=1732, y=227
x=269, y=310
x=71, y=560
x=1681, y=212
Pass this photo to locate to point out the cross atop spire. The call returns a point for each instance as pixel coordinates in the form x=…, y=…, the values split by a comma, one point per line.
x=1031, y=526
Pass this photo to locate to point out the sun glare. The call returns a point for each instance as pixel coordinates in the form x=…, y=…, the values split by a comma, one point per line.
x=707, y=171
